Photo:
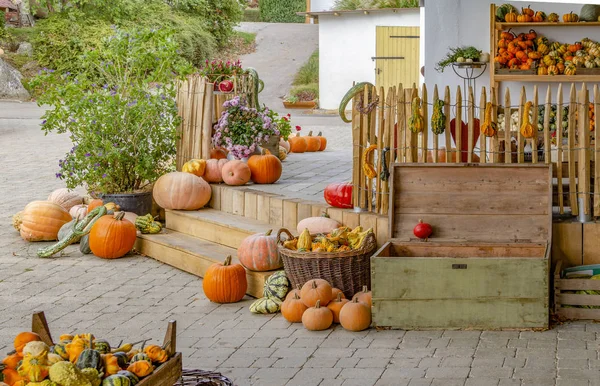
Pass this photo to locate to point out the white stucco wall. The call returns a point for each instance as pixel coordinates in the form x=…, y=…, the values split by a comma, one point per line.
x=451, y=23
x=346, y=45
x=321, y=5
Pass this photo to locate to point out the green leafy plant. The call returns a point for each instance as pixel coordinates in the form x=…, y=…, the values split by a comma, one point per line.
x=309, y=72
x=282, y=11
x=119, y=112
x=351, y=5
x=455, y=53
x=304, y=93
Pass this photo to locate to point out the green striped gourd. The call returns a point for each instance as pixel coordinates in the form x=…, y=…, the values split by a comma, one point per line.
x=265, y=306
x=147, y=225
x=116, y=380
x=140, y=357
x=61, y=349
x=132, y=377
x=277, y=286
x=122, y=359
x=102, y=346
x=90, y=358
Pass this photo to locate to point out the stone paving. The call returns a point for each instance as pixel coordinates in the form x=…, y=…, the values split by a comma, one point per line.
x=136, y=296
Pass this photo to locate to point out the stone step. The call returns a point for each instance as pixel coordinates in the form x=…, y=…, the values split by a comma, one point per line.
x=215, y=226
x=194, y=255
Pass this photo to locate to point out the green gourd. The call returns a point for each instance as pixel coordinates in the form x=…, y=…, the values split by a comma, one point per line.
x=102, y=346
x=84, y=245
x=90, y=358
x=66, y=229
x=140, y=357
x=122, y=359
x=147, y=225
x=132, y=377
x=116, y=380
x=277, y=285
x=266, y=306
x=503, y=9
x=589, y=12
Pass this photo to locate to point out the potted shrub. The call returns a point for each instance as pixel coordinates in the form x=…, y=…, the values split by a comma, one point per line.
x=121, y=116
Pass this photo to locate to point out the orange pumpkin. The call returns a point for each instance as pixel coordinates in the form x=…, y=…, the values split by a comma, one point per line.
x=508, y=35
x=312, y=143
x=293, y=308
x=316, y=290
x=335, y=292
x=141, y=368
x=336, y=306
x=11, y=377
x=523, y=18
x=111, y=364
x=93, y=204
x=294, y=292
x=534, y=55
x=298, y=144
x=570, y=17
x=218, y=153
x=323, y=141
x=317, y=318
x=266, y=168
x=236, y=173
x=23, y=338
x=364, y=296
x=41, y=221
x=258, y=252
x=527, y=11
x=183, y=191
x=531, y=35
x=225, y=283
x=12, y=361
x=214, y=170
x=112, y=237
x=511, y=17
x=355, y=316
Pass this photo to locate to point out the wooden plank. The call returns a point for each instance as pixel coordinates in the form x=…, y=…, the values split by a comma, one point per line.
x=401, y=125
x=318, y=209
x=507, y=127
x=436, y=97
x=215, y=198
x=547, y=78
x=534, y=122
x=250, y=204
x=470, y=124
x=388, y=145
x=425, y=114
x=366, y=128
x=520, y=138
x=383, y=116
x=559, y=155
x=39, y=325
x=447, y=133
x=408, y=97
x=276, y=211
x=495, y=143
x=468, y=250
x=290, y=213
x=304, y=210
x=583, y=138
x=572, y=157
x=548, y=106
x=263, y=203
x=591, y=243
x=207, y=121
x=483, y=139
x=166, y=374
x=336, y=214
x=596, y=157
x=382, y=231
x=458, y=126
x=567, y=243
x=350, y=219
x=227, y=199
x=356, y=150
x=170, y=341
x=238, y=201
x=579, y=300
x=579, y=313
x=577, y=284
x=369, y=220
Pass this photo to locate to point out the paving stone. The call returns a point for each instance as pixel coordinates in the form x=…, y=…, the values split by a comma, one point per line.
x=399, y=372
x=455, y=352
x=510, y=382
x=514, y=362
x=336, y=342
x=331, y=382
x=540, y=363
x=303, y=382
x=420, y=382
x=576, y=354
x=322, y=362
x=447, y=372
x=493, y=372
x=525, y=373
x=372, y=362
x=488, y=362
x=374, y=353
x=573, y=364
x=309, y=374
x=385, y=343
x=264, y=362
x=572, y=382
x=517, y=343
x=275, y=373
x=392, y=382
x=347, y=362
x=439, y=343
x=362, y=373
x=237, y=362
x=448, y=382
x=414, y=353
x=293, y=352
x=456, y=362
x=290, y=362
x=578, y=374
x=404, y=362
x=360, y=382
x=333, y=352
x=482, y=382
x=361, y=342
x=416, y=342
x=430, y=362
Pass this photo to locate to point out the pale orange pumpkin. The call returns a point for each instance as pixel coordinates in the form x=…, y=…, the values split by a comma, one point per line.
x=218, y=153
x=293, y=308
x=65, y=198
x=364, y=296
x=355, y=316
x=236, y=173
x=214, y=170
x=266, y=168
x=285, y=145
x=315, y=225
x=323, y=141
x=194, y=166
x=225, y=283
x=312, y=143
x=41, y=221
x=258, y=252
x=316, y=290
x=317, y=318
x=298, y=144
x=112, y=236
x=183, y=191
x=336, y=306
x=78, y=211
x=335, y=292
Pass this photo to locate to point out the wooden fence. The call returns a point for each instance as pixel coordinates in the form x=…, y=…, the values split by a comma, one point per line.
x=380, y=124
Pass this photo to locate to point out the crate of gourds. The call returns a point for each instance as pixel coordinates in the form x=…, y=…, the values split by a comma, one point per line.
x=85, y=360
x=342, y=257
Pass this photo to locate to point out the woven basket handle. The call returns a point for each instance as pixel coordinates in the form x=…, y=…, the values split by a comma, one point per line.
x=287, y=233
x=368, y=242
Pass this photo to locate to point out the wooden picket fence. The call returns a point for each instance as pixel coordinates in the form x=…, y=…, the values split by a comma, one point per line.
x=380, y=118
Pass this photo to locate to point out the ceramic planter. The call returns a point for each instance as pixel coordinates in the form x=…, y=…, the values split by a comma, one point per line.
x=300, y=105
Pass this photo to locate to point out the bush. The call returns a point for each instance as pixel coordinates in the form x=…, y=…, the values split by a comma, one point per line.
x=305, y=92
x=251, y=15
x=350, y=5
x=282, y=11
x=309, y=72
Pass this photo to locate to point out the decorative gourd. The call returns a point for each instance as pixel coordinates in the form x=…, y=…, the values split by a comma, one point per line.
x=527, y=129
x=225, y=283
x=93, y=376
x=23, y=338
x=10, y=376
x=76, y=347
x=285, y=144
x=111, y=364
x=293, y=308
x=112, y=237
x=277, y=286
x=589, y=12
x=355, y=315
x=17, y=220
x=316, y=290
x=41, y=221
x=524, y=18
x=122, y=358
x=312, y=143
x=570, y=70
x=503, y=9
x=218, y=153
x=195, y=167
x=65, y=198
x=54, y=358
x=553, y=17
x=322, y=224
x=214, y=170
x=304, y=241
x=438, y=118
x=570, y=17
x=266, y=306
x=36, y=348
x=235, y=173
x=61, y=350
x=78, y=211
x=84, y=245
x=258, y=252
x=415, y=122
x=512, y=16
x=117, y=380
x=34, y=368
x=317, y=318
x=336, y=306
x=265, y=168
x=298, y=144
x=182, y=191
x=90, y=358
x=488, y=128
x=539, y=17
x=156, y=353
x=323, y=141
x=132, y=377
x=339, y=195
x=552, y=70
x=12, y=361
x=282, y=153
x=147, y=225
x=364, y=296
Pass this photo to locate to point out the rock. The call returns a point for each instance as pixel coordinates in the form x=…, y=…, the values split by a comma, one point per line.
x=25, y=48
x=10, y=83
x=1, y=51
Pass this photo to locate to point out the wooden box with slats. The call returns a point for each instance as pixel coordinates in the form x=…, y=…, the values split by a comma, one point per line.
x=486, y=265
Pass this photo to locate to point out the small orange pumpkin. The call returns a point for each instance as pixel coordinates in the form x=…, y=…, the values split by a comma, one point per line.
x=12, y=377
x=336, y=306
x=355, y=316
x=364, y=296
x=112, y=237
x=335, y=292
x=236, y=173
x=511, y=17
x=312, y=143
x=316, y=290
x=141, y=368
x=225, y=283
x=258, y=252
x=12, y=361
x=218, y=153
x=317, y=318
x=265, y=168
x=294, y=292
x=23, y=338
x=323, y=141
x=298, y=144
x=93, y=204
x=293, y=308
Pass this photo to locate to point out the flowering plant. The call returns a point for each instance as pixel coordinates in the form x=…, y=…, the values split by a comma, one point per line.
x=120, y=113
x=217, y=70
x=241, y=129
x=283, y=123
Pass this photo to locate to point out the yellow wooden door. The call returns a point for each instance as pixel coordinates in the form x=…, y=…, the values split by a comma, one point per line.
x=397, y=56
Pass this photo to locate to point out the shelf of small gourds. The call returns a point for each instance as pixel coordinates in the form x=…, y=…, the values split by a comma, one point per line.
x=338, y=240
x=78, y=360
x=95, y=225
x=558, y=119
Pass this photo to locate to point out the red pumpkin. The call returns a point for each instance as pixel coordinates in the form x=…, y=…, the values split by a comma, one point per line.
x=266, y=168
x=423, y=230
x=218, y=153
x=339, y=195
x=181, y=191
x=214, y=170
x=259, y=252
x=236, y=173
x=112, y=237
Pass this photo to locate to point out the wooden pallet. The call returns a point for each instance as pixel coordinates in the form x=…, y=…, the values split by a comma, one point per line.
x=562, y=299
x=164, y=375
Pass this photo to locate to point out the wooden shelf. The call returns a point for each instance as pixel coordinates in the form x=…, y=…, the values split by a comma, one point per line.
x=547, y=78
x=505, y=25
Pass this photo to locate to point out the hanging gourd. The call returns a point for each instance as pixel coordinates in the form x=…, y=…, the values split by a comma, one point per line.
x=368, y=167
x=415, y=122
x=438, y=119
x=488, y=128
x=526, y=127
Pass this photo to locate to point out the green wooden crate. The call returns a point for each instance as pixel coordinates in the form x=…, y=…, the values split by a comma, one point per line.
x=486, y=266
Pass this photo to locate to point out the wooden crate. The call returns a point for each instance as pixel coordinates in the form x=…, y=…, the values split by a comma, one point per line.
x=164, y=375
x=487, y=263
x=563, y=297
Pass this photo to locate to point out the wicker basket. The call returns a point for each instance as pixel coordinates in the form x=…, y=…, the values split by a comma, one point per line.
x=348, y=270
x=202, y=378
